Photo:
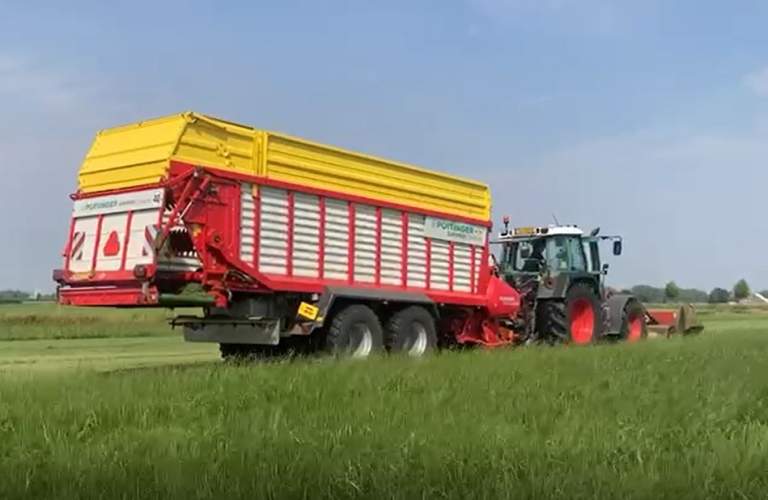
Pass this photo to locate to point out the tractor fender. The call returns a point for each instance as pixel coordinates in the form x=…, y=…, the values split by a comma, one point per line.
x=613, y=309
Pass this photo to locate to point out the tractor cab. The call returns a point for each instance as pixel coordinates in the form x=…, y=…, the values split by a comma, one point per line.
x=553, y=251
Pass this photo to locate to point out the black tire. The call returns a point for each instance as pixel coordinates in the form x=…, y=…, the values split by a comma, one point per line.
x=411, y=331
x=633, y=326
x=558, y=316
x=355, y=332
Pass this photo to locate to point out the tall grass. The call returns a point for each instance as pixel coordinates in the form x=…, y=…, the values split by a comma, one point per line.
x=685, y=418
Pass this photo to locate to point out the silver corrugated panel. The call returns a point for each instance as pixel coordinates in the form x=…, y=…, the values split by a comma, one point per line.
x=336, y=260
x=247, y=223
x=273, y=231
x=365, y=243
x=462, y=263
x=391, y=247
x=417, y=252
x=306, y=235
x=439, y=265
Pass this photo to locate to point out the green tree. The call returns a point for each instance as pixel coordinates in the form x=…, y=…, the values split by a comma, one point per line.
x=719, y=296
x=671, y=291
x=693, y=296
x=741, y=290
x=648, y=294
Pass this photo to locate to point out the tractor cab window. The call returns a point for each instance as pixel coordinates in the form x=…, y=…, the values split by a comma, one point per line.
x=531, y=255
x=578, y=262
x=592, y=252
x=557, y=253
x=525, y=256
x=565, y=253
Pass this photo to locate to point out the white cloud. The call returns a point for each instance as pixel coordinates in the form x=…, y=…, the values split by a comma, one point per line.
x=757, y=82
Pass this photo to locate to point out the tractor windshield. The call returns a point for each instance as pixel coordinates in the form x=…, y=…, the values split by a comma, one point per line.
x=558, y=253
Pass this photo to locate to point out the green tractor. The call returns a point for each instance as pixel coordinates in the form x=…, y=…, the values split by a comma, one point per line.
x=559, y=274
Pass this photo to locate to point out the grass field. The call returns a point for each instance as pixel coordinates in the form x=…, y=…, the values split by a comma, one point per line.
x=150, y=416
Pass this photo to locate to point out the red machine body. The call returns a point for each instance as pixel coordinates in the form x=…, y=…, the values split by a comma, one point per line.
x=238, y=235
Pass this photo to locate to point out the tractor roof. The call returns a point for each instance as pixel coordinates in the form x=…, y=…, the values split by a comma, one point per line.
x=528, y=232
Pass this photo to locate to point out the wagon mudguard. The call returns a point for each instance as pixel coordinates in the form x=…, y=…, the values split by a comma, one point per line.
x=332, y=294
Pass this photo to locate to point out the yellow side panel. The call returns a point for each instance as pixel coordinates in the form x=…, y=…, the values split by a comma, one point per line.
x=131, y=155
x=303, y=162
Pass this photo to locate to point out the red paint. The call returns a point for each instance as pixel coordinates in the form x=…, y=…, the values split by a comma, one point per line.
x=256, y=226
x=97, y=243
x=404, y=250
x=485, y=267
x=450, y=266
x=181, y=168
x=291, y=226
x=321, y=239
x=68, y=251
x=472, y=271
x=149, y=241
x=582, y=321
x=76, y=252
x=377, y=262
x=212, y=215
x=122, y=296
x=428, y=274
x=351, y=244
x=635, y=326
x=126, y=239
x=112, y=245
x=663, y=317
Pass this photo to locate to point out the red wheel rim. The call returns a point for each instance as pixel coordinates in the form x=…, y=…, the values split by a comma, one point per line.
x=635, y=332
x=582, y=321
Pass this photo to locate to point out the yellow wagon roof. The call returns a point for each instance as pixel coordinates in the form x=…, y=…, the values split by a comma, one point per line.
x=140, y=153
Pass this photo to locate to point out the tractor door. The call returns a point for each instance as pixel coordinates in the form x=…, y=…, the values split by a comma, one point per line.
x=592, y=254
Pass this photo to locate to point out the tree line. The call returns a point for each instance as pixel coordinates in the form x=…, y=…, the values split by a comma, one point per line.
x=671, y=292
x=16, y=296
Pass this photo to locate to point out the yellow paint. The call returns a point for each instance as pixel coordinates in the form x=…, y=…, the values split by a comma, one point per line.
x=308, y=311
x=137, y=154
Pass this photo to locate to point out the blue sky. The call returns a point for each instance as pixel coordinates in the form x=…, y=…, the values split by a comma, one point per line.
x=648, y=118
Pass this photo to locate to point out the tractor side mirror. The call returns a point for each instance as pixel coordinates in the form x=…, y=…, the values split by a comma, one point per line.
x=617, y=247
x=605, y=269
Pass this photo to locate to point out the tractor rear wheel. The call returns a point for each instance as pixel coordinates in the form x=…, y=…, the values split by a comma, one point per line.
x=576, y=320
x=411, y=331
x=633, y=326
x=354, y=332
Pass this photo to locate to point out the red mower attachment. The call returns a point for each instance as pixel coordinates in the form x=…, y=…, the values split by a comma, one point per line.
x=670, y=321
